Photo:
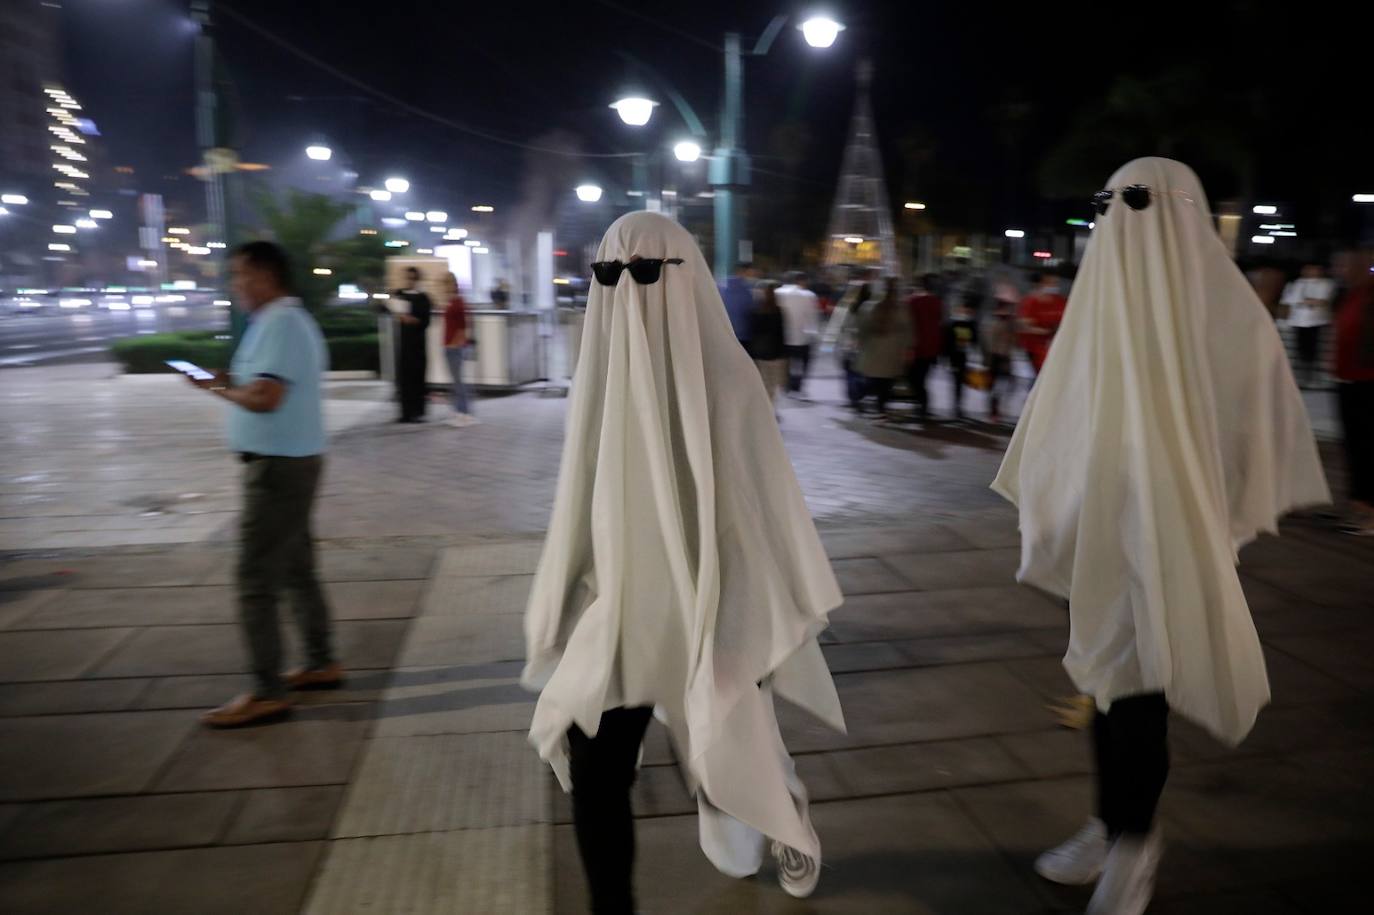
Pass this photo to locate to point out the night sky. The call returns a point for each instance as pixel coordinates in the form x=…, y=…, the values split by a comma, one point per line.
x=971, y=99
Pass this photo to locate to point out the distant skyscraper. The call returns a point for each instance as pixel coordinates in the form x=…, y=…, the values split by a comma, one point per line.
x=29, y=60
x=861, y=220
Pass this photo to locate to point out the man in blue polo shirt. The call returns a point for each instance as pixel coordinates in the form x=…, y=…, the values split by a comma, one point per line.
x=276, y=425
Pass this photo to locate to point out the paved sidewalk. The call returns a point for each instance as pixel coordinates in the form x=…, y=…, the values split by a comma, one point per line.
x=412, y=791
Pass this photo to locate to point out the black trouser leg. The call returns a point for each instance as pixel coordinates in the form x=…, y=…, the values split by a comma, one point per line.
x=920, y=368
x=1309, y=340
x=1131, y=746
x=603, y=769
x=881, y=389
x=1356, y=400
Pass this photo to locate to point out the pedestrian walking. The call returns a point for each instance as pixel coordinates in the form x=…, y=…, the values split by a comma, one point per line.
x=1164, y=433
x=961, y=340
x=802, y=315
x=997, y=334
x=1354, y=371
x=1040, y=315
x=884, y=341
x=767, y=340
x=927, y=315
x=737, y=292
x=276, y=425
x=1308, y=299
x=411, y=311
x=682, y=577
x=456, y=343
x=843, y=329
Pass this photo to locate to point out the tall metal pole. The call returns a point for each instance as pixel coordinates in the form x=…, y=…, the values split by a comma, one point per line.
x=729, y=172
x=214, y=159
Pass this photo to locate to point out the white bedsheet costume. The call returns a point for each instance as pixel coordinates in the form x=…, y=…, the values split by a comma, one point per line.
x=1163, y=434
x=682, y=568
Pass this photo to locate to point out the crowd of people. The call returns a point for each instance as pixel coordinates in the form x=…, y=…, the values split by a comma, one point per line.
x=888, y=336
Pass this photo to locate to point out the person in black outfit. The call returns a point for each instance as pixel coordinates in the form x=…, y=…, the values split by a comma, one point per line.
x=767, y=339
x=410, y=349
x=603, y=769
x=961, y=336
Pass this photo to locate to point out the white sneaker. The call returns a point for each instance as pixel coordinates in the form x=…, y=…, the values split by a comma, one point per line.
x=1079, y=860
x=1128, y=877
x=798, y=874
x=462, y=420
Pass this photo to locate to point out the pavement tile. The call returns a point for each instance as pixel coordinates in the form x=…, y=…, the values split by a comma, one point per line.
x=913, y=614
x=261, y=879
x=497, y=870
x=118, y=824
x=962, y=649
x=1025, y=818
x=905, y=768
x=447, y=700
x=61, y=756
x=170, y=651
x=517, y=557
x=315, y=746
x=1348, y=658
x=850, y=544
x=968, y=569
x=1273, y=819
x=444, y=782
x=433, y=641
x=363, y=600
x=29, y=656
x=910, y=854
x=63, y=697
x=866, y=576
x=160, y=568
x=1051, y=753
x=17, y=605
x=967, y=700
x=210, y=690
x=103, y=607
x=864, y=656
x=456, y=595
x=987, y=533
x=284, y=814
x=1256, y=902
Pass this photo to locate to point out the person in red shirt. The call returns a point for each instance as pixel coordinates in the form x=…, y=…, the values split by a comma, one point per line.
x=927, y=318
x=455, y=348
x=1039, y=317
x=1354, y=371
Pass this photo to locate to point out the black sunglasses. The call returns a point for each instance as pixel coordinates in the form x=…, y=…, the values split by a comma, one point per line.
x=1136, y=196
x=644, y=270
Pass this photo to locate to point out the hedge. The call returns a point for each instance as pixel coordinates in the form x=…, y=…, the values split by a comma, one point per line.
x=141, y=355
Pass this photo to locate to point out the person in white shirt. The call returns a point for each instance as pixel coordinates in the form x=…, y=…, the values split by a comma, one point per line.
x=1309, y=310
x=801, y=324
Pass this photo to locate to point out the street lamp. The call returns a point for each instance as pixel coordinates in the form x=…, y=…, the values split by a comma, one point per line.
x=1265, y=209
x=1015, y=233
x=820, y=31
x=635, y=110
x=319, y=153
x=17, y=200
x=687, y=151
x=379, y=195
x=397, y=185
x=436, y=216
x=101, y=214
x=589, y=193
x=913, y=205
x=1358, y=198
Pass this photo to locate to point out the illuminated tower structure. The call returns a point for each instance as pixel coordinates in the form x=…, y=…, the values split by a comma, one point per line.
x=861, y=220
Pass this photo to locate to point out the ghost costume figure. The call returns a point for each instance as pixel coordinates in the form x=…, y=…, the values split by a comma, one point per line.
x=682, y=573
x=1164, y=433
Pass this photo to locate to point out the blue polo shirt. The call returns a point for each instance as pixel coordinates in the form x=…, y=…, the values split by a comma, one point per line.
x=282, y=342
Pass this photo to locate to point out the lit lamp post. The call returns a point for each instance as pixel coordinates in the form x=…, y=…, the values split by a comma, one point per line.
x=729, y=169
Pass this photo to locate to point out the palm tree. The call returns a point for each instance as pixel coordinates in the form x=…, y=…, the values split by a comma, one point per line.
x=302, y=223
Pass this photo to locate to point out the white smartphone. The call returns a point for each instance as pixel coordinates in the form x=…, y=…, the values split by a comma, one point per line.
x=191, y=369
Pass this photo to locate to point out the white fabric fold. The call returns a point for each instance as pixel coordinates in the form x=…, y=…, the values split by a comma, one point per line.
x=1163, y=434
x=682, y=568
